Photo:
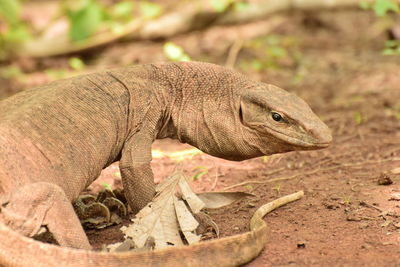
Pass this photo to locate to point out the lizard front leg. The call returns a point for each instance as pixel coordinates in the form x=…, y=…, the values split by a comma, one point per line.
x=137, y=176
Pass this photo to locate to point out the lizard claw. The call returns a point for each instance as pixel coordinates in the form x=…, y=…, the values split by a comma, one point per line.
x=100, y=212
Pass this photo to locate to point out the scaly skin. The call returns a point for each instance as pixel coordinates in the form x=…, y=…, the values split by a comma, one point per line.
x=56, y=139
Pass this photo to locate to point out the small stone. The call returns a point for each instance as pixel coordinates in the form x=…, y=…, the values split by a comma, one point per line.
x=384, y=179
x=331, y=205
x=353, y=217
x=386, y=223
x=395, y=170
x=366, y=246
x=301, y=245
x=395, y=196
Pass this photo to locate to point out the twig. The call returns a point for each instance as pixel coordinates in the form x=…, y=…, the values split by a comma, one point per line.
x=233, y=53
x=363, y=203
x=256, y=220
x=215, y=180
x=274, y=171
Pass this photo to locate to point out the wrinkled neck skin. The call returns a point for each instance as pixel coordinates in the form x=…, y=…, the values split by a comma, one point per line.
x=204, y=111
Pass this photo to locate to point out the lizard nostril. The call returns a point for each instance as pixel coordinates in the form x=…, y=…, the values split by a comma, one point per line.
x=323, y=135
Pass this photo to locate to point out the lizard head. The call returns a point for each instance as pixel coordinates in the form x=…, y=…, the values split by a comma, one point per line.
x=232, y=117
x=276, y=115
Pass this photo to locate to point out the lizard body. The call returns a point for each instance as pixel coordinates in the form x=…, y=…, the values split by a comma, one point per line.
x=56, y=139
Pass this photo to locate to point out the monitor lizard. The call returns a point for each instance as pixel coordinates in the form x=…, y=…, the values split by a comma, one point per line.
x=56, y=139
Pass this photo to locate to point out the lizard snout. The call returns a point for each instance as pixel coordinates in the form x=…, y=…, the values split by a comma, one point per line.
x=322, y=135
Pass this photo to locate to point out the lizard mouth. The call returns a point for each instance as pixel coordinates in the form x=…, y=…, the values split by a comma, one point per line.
x=322, y=145
x=299, y=142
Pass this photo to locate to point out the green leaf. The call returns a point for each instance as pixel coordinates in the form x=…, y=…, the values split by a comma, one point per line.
x=56, y=73
x=201, y=171
x=241, y=6
x=388, y=52
x=76, y=63
x=365, y=5
x=150, y=10
x=382, y=7
x=11, y=72
x=175, y=52
x=249, y=187
x=392, y=47
x=116, y=174
x=358, y=117
x=85, y=20
x=10, y=10
x=257, y=65
x=219, y=5
x=392, y=43
x=107, y=186
x=276, y=51
x=123, y=10
x=273, y=40
x=17, y=33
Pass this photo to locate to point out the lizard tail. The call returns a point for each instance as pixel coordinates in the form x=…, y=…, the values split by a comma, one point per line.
x=17, y=250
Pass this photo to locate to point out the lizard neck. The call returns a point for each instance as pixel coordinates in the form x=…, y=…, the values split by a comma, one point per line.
x=201, y=95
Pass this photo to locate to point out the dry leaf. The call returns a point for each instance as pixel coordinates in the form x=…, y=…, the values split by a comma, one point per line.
x=214, y=200
x=187, y=222
x=159, y=219
x=191, y=198
x=166, y=216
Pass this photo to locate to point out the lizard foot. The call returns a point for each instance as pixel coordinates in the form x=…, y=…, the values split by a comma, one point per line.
x=100, y=212
x=37, y=206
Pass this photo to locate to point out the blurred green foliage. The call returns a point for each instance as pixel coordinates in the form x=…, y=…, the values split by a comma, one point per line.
x=85, y=18
x=76, y=63
x=359, y=118
x=223, y=5
x=271, y=52
x=9, y=10
x=220, y=5
x=92, y=14
x=392, y=47
x=174, y=52
x=11, y=72
x=150, y=10
x=382, y=7
x=14, y=30
x=123, y=10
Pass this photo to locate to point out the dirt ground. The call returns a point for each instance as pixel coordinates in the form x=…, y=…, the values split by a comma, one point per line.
x=346, y=218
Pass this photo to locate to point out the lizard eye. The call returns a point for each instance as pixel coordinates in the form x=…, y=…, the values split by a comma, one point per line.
x=276, y=116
